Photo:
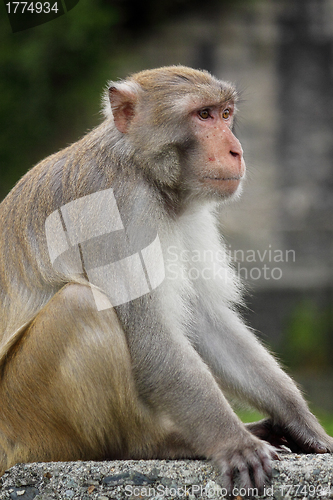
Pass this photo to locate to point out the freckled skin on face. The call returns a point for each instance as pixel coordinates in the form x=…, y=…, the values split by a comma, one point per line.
x=223, y=166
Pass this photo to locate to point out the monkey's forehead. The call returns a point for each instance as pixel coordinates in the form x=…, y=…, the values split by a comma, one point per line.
x=166, y=72
x=181, y=80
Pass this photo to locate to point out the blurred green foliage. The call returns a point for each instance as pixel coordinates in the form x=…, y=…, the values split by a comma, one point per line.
x=52, y=76
x=307, y=339
x=326, y=421
x=46, y=73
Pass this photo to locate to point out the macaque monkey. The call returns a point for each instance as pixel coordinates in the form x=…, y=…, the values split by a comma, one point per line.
x=114, y=343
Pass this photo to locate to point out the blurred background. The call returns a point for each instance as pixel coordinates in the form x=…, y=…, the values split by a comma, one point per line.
x=280, y=55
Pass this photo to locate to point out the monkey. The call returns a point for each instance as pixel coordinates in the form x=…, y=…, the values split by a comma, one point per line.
x=111, y=346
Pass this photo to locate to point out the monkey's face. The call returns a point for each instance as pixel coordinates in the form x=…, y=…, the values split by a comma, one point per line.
x=221, y=165
x=178, y=127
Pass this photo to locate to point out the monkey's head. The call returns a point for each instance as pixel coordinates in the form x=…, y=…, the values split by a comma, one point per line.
x=177, y=124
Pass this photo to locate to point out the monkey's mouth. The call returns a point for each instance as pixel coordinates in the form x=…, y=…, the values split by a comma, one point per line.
x=222, y=185
x=208, y=178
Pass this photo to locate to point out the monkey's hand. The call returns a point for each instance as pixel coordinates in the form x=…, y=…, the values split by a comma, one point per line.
x=267, y=431
x=298, y=439
x=249, y=457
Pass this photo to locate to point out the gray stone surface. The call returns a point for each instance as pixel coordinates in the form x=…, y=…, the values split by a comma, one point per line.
x=294, y=476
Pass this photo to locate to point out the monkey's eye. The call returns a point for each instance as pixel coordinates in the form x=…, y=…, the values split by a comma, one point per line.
x=226, y=114
x=204, y=114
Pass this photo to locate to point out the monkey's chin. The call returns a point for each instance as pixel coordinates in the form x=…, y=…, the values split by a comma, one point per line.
x=223, y=187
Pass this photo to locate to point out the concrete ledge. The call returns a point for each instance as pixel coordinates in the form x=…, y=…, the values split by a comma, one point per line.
x=295, y=476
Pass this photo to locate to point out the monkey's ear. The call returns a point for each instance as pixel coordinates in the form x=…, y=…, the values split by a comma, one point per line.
x=123, y=102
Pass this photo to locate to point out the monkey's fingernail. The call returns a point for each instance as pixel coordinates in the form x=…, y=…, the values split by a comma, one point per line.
x=321, y=449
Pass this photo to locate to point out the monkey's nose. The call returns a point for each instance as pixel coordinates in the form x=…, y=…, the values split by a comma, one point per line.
x=238, y=162
x=236, y=149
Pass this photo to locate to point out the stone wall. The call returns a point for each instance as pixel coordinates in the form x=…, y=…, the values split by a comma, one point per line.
x=294, y=476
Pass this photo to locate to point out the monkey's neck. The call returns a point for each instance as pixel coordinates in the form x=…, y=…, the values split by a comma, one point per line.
x=171, y=200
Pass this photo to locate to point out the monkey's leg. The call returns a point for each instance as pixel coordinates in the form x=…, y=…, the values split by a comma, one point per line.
x=67, y=390
x=280, y=436
x=242, y=365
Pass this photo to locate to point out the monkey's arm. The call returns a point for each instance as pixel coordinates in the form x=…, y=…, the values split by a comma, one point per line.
x=172, y=379
x=244, y=367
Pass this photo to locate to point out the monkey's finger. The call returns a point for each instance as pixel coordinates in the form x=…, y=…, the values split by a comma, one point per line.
x=283, y=449
x=274, y=453
x=267, y=462
x=261, y=468
x=244, y=477
x=227, y=476
x=242, y=464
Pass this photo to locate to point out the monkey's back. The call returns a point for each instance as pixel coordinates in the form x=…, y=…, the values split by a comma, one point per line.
x=27, y=278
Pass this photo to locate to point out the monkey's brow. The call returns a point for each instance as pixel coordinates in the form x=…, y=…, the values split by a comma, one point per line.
x=218, y=104
x=229, y=94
